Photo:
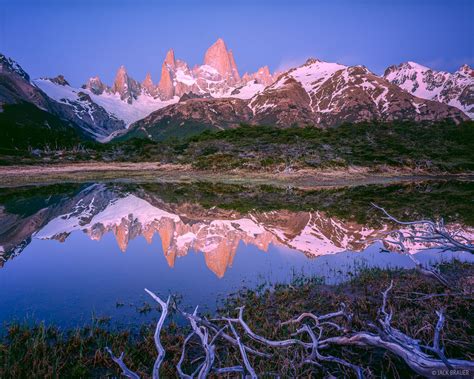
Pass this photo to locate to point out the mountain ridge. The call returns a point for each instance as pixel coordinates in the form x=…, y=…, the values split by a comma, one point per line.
x=317, y=93
x=216, y=95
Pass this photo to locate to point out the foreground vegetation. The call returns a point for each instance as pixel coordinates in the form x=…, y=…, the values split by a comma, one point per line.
x=428, y=199
x=443, y=146
x=43, y=351
x=26, y=130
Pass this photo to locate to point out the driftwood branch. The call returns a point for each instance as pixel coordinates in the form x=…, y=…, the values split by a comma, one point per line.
x=119, y=360
x=181, y=374
x=248, y=366
x=159, y=347
x=432, y=233
x=422, y=359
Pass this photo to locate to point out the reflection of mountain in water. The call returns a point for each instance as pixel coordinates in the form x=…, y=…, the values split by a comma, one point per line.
x=216, y=233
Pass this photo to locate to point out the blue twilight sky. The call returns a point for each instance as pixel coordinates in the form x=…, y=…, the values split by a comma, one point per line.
x=85, y=38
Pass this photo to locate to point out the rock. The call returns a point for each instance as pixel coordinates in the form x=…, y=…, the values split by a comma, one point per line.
x=455, y=89
x=148, y=86
x=126, y=87
x=95, y=85
x=60, y=80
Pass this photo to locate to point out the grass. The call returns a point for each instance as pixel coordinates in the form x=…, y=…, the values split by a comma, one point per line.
x=43, y=351
x=430, y=199
x=441, y=146
x=408, y=201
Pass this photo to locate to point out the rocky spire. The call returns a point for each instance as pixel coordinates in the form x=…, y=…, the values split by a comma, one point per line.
x=170, y=60
x=148, y=85
x=235, y=71
x=264, y=76
x=95, y=85
x=121, y=80
x=165, y=86
x=222, y=60
x=128, y=88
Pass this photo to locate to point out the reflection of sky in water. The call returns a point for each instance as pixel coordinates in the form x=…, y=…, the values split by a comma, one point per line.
x=66, y=282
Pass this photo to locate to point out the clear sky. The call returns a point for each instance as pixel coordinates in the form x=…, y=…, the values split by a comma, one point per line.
x=85, y=38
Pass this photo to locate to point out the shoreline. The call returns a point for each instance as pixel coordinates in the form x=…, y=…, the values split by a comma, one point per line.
x=24, y=175
x=413, y=300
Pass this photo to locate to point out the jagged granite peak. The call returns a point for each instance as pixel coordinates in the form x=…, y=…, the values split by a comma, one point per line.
x=317, y=93
x=218, y=57
x=262, y=76
x=166, y=86
x=148, y=85
x=233, y=65
x=95, y=85
x=218, y=76
x=455, y=89
x=125, y=86
x=170, y=59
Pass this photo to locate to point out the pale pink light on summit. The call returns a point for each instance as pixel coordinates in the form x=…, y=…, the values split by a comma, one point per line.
x=218, y=57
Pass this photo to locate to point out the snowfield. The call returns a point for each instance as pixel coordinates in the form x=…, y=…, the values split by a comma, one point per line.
x=111, y=102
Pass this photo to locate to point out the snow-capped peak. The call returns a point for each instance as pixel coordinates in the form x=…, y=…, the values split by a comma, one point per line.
x=465, y=70
x=417, y=66
x=453, y=89
x=11, y=65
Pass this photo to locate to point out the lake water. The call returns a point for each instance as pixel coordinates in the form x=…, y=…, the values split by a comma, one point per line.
x=71, y=252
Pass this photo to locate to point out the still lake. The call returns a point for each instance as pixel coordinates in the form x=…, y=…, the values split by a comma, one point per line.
x=72, y=252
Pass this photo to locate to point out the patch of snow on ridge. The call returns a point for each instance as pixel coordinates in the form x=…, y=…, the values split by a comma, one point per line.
x=141, y=210
x=185, y=78
x=247, y=91
x=139, y=109
x=111, y=102
x=426, y=83
x=313, y=242
x=315, y=73
x=185, y=240
x=112, y=215
x=57, y=92
x=68, y=222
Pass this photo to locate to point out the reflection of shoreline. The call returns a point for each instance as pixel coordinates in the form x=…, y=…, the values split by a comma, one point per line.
x=306, y=178
x=216, y=233
x=312, y=233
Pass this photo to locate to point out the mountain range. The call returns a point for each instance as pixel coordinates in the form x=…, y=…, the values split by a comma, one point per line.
x=98, y=209
x=215, y=95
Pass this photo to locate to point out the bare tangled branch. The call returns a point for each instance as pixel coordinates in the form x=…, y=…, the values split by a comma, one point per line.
x=423, y=360
x=433, y=233
x=248, y=366
x=119, y=360
x=159, y=347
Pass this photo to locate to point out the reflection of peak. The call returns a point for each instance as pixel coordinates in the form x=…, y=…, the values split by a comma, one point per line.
x=97, y=210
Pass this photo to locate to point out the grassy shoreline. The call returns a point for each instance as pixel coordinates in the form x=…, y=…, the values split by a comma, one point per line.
x=19, y=175
x=434, y=147
x=48, y=352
